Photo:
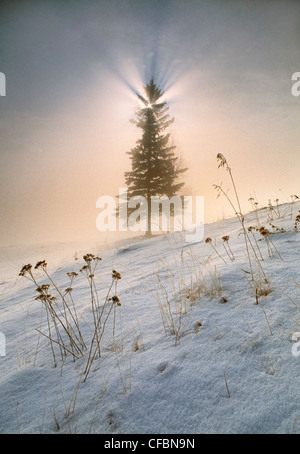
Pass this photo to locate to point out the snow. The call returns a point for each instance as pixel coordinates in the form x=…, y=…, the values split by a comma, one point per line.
x=230, y=369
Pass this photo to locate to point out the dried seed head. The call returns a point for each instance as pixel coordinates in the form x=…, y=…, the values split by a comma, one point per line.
x=43, y=288
x=221, y=159
x=88, y=257
x=208, y=240
x=25, y=269
x=42, y=297
x=264, y=232
x=225, y=238
x=40, y=264
x=116, y=275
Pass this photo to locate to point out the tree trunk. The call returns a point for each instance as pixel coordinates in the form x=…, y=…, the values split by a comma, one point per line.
x=148, y=231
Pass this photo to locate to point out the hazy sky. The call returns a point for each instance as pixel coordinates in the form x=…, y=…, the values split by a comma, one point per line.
x=72, y=69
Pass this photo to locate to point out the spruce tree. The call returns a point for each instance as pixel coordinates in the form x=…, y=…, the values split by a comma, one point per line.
x=155, y=168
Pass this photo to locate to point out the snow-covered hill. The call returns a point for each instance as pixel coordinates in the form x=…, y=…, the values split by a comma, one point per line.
x=192, y=344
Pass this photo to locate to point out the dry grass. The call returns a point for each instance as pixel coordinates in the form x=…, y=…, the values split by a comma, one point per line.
x=177, y=294
x=64, y=324
x=255, y=266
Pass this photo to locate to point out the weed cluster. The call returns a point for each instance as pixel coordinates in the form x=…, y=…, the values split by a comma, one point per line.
x=64, y=324
x=254, y=256
x=226, y=246
x=192, y=281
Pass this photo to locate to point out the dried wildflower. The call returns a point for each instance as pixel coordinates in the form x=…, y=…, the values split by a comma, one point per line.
x=227, y=248
x=40, y=264
x=222, y=160
x=43, y=288
x=208, y=240
x=68, y=289
x=116, y=275
x=264, y=232
x=25, y=269
x=42, y=297
x=72, y=274
x=83, y=268
x=91, y=276
x=88, y=257
x=116, y=300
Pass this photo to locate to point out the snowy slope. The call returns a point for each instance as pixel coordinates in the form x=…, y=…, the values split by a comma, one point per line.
x=232, y=368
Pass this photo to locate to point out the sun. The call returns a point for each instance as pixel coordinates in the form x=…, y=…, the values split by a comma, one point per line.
x=143, y=104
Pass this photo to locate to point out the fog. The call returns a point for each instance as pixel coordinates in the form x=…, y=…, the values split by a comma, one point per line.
x=72, y=73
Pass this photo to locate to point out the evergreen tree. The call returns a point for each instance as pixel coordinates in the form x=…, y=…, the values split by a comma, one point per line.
x=155, y=168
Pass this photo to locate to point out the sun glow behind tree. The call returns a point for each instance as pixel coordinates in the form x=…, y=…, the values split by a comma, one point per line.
x=155, y=168
x=73, y=71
